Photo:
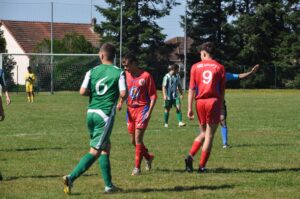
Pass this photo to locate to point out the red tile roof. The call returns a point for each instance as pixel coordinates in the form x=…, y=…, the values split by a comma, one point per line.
x=28, y=34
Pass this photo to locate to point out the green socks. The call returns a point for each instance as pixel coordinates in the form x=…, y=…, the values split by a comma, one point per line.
x=84, y=164
x=105, y=169
x=179, y=116
x=166, y=117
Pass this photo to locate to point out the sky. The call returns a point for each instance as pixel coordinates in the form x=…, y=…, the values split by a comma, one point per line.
x=76, y=11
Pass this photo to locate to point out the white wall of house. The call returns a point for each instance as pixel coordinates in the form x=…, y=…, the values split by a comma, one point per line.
x=22, y=61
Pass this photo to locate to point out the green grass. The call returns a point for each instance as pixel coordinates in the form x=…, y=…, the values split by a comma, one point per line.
x=41, y=142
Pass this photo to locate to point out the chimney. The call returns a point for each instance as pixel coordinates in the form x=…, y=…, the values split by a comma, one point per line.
x=93, y=23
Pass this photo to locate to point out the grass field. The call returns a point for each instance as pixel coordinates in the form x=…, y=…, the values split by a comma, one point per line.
x=41, y=142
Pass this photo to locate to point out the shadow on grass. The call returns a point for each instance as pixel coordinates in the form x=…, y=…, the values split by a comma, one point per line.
x=178, y=188
x=170, y=170
x=271, y=170
x=11, y=178
x=265, y=145
x=31, y=149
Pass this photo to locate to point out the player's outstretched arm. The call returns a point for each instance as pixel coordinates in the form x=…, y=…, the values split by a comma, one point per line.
x=251, y=72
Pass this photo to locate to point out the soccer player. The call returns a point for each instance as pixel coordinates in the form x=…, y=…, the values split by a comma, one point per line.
x=140, y=103
x=29, y=80
x=103, y=84
x=171, y=86
x=4, y=89
x=207, y=86
x=232, y=77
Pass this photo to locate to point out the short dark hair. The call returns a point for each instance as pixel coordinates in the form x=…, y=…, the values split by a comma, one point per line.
x=208, y=47
x=173, y=67
x=110, y=50
x=131, y=58
x=28, y=68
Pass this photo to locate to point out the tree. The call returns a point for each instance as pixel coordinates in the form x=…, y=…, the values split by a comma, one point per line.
x=8, y=63
x=141, y=34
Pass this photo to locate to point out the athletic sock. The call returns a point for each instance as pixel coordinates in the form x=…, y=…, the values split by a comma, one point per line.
x=179, y=116
x=84, y=164
x=31, y=99
x=138, y=155
x=224, y=132
x=166, y=117
x=195, y=147
x=204, y=158
x=105, y=169
x=28, y=99
x=145, y=152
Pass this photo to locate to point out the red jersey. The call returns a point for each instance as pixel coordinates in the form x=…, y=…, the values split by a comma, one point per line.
x=141, y=89
x=208, y=79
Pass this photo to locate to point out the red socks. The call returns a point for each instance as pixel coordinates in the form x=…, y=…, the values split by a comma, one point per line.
x=145, y=152
x=195, y=147
x=138, y=155
x=204, y=158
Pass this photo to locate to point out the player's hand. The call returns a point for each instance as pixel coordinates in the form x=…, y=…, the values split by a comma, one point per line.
x=8, y=101
x=147, y=116
x=165, y=97
x=119, y=106
x=190, y=114
x=255, y=69
x=181, y=97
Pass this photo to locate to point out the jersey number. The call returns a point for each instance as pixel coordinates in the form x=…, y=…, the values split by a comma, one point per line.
x=207, y=76
x=101, y=87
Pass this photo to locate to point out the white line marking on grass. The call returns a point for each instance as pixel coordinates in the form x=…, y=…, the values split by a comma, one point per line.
x=24, y=134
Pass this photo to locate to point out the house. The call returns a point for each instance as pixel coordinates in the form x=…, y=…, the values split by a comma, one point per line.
x=22, y=36
x=177, y=55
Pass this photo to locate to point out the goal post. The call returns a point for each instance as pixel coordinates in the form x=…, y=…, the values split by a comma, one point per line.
x=64, y=74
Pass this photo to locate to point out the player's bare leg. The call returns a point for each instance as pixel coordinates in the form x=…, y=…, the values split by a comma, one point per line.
x=28, y=97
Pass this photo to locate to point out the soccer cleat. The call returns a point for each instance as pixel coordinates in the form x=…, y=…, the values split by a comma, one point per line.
x=166, y=125
x=189, y=163
x=1, y=177
x=181, y=124
x=201, y=170
x=136, y=171
x=112, y=189
x=68, y=184
x=149, y=162
x=226, y=146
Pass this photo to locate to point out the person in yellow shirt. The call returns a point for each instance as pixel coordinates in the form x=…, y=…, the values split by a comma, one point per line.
x=29, y=80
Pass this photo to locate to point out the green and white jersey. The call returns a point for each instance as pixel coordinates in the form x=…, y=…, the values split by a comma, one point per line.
x=105, y=83
x=172, y=83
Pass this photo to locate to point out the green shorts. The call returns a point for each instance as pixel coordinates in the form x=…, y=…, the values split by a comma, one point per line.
x=100, y=127
x=174, y=102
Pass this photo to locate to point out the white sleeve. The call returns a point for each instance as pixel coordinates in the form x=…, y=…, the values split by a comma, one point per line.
x=122, y=82
x=86, y=80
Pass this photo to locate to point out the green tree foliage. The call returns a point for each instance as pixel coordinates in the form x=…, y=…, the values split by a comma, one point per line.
x=247, y=32
x=141, y=33
x=68, y=71
x=8, y=63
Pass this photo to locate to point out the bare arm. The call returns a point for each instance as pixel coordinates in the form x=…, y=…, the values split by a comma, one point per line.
x=84, y=91
x=247, y=74
x=191, y=95
x=164, y=93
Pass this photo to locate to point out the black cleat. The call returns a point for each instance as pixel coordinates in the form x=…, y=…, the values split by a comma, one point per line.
x=201, y=170
x=189, y=164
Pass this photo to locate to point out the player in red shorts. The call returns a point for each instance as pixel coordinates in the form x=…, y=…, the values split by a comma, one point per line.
x=140, y=103
x=207, y=86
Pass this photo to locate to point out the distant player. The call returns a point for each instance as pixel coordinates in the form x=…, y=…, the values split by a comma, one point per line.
x=171, y=86
x=140, y=103
x=207, y=86
x=103, y=84
x=29, y=80
x=4, y=89
x=232, y=77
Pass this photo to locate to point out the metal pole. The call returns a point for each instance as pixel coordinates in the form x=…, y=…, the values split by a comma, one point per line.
x=185, y=48
x=91, y=10
x=18, y=79
x=121, y=30
x=51, y=59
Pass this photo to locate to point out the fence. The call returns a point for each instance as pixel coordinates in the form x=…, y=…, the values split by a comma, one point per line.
x=64, y=74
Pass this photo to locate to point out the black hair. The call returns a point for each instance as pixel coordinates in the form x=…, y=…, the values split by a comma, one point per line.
x=208, y=47
x=131, y=58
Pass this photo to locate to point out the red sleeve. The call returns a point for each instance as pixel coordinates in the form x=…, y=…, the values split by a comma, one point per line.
x=151, y=88
x=192, y=78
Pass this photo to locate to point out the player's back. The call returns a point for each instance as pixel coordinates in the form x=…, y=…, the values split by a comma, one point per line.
x=104, y=87
x=207, y=78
